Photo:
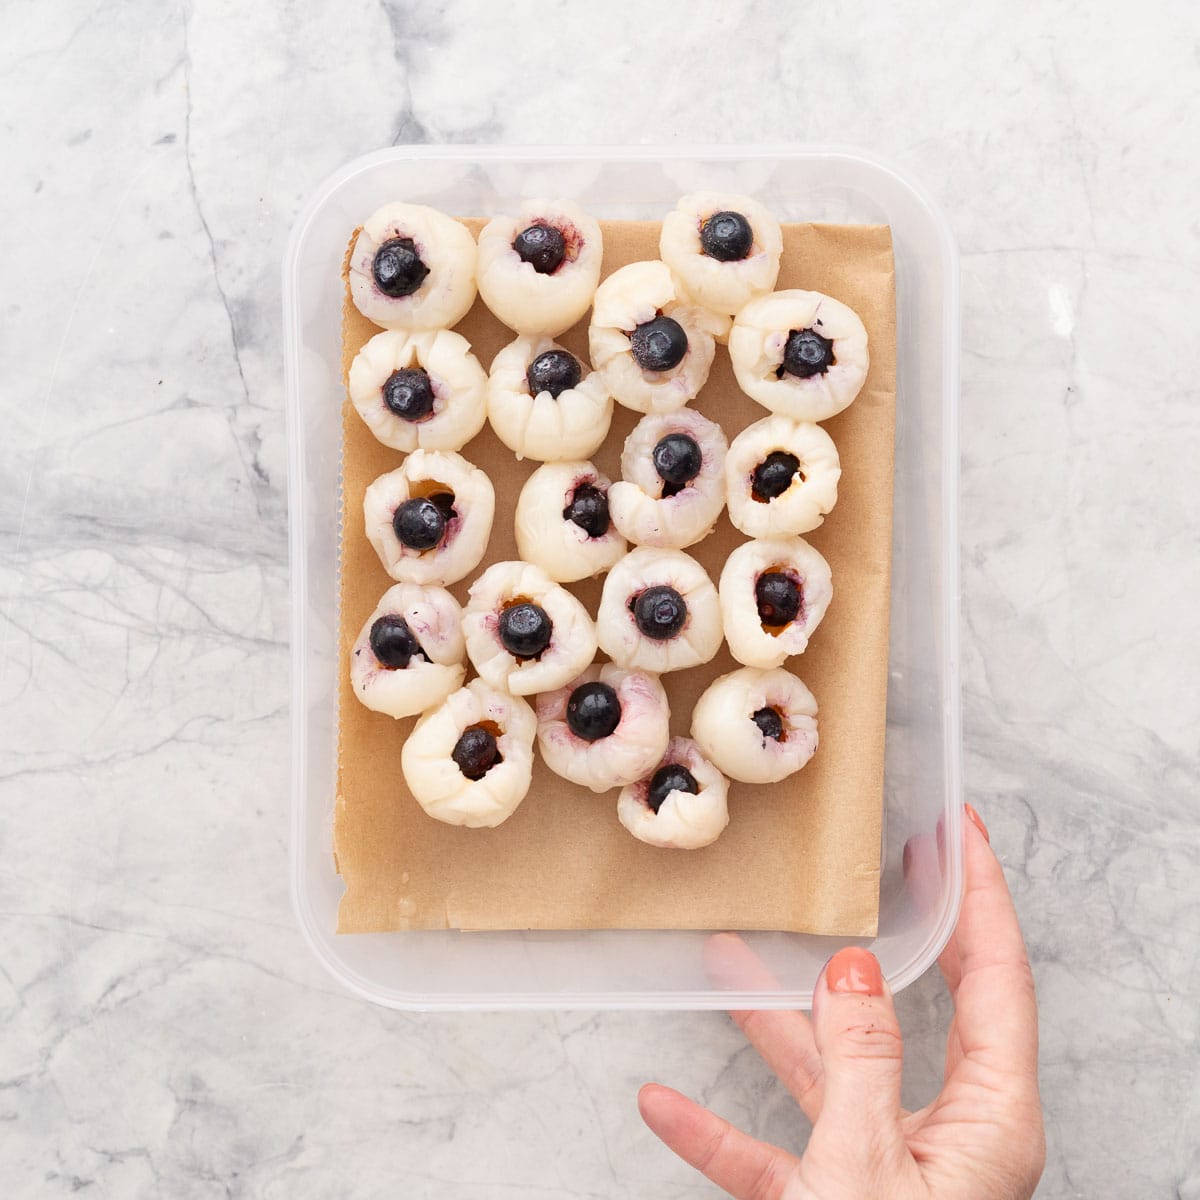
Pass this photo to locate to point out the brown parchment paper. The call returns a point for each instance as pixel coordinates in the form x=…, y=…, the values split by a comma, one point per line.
x=801, y=855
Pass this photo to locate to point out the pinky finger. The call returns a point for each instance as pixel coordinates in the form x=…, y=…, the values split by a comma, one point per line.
x=743, y=1166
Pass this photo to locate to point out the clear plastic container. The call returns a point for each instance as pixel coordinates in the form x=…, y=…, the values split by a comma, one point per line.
x=921, y=888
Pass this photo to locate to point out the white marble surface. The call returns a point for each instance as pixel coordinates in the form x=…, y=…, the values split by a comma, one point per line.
x=163, y=1030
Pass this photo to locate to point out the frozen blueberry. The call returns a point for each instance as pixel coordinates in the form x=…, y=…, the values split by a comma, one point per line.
x=419, y=523
x=769, y=722
x=542, y=247
x=525, y=630
x=593, y=711
x=476, y=752
x=659, y=344
x=660, y=612
x=398, y=268
x=668, y=779
x=589, y=510
x=726, y=236
x=806, y=354
x=555, y=372
x=392, y=642
x=677, y=460
x=409, y=393
x=778, y=597
x=773, y=476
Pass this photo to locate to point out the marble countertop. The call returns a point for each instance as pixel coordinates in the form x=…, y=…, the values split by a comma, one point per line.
x=163, y=1028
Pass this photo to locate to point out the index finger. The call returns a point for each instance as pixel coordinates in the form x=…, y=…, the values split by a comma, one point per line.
x=783, y=1037
x=994, y=1001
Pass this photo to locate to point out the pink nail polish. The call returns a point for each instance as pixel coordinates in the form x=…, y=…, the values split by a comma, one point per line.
x=977, y=821
x=854, y=971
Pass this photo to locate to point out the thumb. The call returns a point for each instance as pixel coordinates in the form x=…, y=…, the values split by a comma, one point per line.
x=858, y=1038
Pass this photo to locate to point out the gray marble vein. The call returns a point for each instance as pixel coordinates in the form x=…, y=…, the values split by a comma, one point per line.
x=163, y=1029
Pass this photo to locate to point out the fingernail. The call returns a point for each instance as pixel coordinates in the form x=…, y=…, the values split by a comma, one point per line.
x=977, y=821
x=854, y=971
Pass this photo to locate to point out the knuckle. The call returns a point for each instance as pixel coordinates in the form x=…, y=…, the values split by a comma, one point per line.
x=1025, y=981
x=870, y=1037
x=1010, y=973
x=715, y=1144
x=768, y=1183
x=1017, y=1145
x=804, y=1082
x=1018, y=972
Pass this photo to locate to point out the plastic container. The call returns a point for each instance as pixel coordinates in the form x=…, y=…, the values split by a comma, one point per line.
x=640, y=969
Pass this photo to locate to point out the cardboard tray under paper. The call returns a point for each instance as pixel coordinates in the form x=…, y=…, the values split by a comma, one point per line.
x=801, y=855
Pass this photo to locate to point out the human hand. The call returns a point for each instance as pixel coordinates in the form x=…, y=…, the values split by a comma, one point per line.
x=980, y=1139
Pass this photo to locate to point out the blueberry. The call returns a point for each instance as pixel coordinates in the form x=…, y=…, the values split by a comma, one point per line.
x=525, y=630
x=419, y=523
x=542, y=247
x=660, y=612
x=445, y=505
x=555, y=372
x=769, y=722
x=668, y=779
x=392, y=642
x=476, y=752
x=593, y=711
x=398, y=268
x=806, y=354
x=659, y=344
x=589, y=510
x=409, y=394
x=677, y=460
x=726, y=236
x=778, y=597
x=773, y=476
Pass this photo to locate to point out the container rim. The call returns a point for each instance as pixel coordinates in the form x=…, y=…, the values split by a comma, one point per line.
x=940, y=933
